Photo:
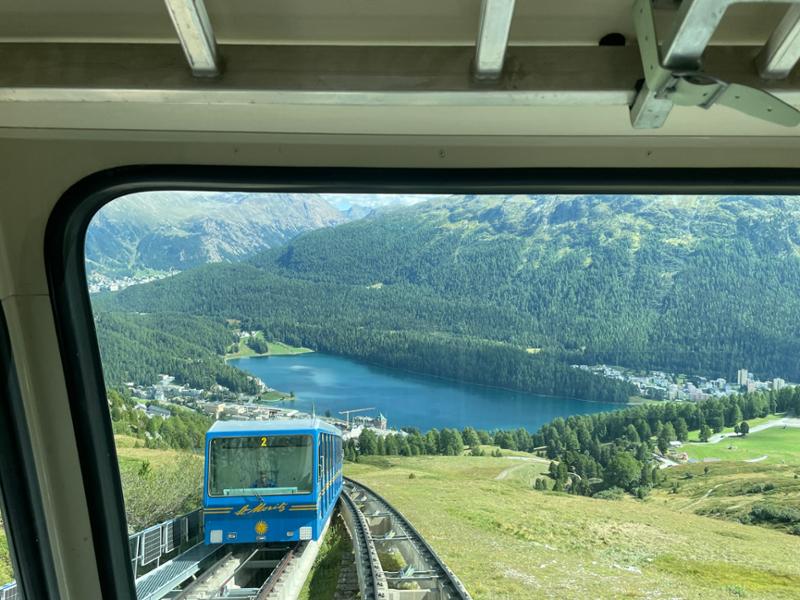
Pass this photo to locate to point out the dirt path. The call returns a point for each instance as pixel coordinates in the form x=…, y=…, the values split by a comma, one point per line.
x=524, y=460
x=759, y=459
x=701, y=498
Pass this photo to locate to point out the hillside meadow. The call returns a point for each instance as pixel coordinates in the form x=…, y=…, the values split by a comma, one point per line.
x=6, y=571
x=157, y=484
x=774, y=445
x=507, y=541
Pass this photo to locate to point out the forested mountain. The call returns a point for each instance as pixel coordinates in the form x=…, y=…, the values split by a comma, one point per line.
x=166, y=231
x=139, y=348
x=510, y=290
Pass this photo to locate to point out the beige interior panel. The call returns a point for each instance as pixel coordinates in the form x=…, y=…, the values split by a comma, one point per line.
x=446, y=22
x=36, y=352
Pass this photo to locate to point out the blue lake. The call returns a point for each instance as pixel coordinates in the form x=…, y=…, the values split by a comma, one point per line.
x=407, y=399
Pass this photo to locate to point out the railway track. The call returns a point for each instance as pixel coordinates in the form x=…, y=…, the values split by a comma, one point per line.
x=245, y=573
x=392, y=559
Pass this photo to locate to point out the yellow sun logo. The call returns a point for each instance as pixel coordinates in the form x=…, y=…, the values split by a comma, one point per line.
x=261, y=527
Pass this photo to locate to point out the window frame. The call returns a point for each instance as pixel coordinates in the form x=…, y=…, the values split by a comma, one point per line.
x=64, y=262
x=269, y=435
x=26, y=531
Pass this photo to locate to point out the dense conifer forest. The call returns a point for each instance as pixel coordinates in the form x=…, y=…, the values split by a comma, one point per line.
x=500, y=290
x=137, y=348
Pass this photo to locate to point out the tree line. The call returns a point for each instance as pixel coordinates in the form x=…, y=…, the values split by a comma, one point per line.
x=592, y=454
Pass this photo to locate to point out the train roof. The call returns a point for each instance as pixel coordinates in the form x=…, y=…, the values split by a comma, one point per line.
x=238, y=427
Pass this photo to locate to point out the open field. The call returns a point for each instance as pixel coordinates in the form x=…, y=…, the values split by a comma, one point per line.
x=780, y=445
x=694, y=435
x=275, y=396
x=731, y=489
x=157, y=484
x=636, y=400
x=281, y=349
x=508, y=541
x=488, y=449
x=275, y=349
x=131, y=457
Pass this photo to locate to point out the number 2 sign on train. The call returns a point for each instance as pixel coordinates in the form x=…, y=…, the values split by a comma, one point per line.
x=270, y=481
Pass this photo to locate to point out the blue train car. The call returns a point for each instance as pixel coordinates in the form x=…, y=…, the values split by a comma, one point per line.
x=270, y=481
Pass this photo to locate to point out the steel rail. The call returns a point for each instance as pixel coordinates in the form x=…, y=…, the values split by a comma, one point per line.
x=269, y=584
x=229, y=578
x=203, y=577
x=372, y=583
x=457, y=589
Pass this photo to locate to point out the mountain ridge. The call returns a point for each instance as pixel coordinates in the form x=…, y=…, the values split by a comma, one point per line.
x=673, y=283
x=172, y=231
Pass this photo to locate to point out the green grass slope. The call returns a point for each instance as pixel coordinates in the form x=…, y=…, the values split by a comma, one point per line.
x=505, y=540
x=730, y=490
x=6, y=571
x=779, y=445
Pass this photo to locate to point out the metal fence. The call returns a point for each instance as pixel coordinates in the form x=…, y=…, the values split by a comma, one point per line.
x=147, y=547
x=10, y=592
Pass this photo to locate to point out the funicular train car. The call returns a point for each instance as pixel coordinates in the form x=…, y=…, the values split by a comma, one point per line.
x=270, y=481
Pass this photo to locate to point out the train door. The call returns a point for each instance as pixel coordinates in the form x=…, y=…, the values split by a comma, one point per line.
x=328, y=465
x=320, y=472
x=328, y=470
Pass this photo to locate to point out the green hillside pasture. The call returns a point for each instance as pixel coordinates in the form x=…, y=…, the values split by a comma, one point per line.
x=158, y=484
x=730, y=490
x=505, y=540
x=780, y=445
x=694, y=435
x=6, y=572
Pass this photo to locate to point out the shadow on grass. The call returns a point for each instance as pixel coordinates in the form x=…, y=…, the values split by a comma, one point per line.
x=324, y=577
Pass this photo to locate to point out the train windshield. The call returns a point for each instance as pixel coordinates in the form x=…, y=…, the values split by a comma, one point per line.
x=260, y=465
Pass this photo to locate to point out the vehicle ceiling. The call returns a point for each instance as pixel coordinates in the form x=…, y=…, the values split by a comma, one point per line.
x=344, y=22
x=291, y=66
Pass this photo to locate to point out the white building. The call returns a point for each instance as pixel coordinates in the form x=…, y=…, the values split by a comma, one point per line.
x=742, y=377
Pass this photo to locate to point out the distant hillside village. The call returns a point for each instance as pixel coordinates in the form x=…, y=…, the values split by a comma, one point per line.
x=658, y=385
x=220, y=403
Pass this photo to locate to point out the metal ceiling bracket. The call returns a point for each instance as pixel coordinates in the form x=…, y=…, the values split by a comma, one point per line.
x=490, y=50
x=197, y=38
x=665, y=85
x=782, y=50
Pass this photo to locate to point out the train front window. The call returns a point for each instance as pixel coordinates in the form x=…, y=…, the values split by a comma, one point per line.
x=260, y=465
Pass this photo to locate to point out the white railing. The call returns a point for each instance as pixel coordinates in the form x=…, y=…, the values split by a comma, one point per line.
x=147, y=547
x=10, y=592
